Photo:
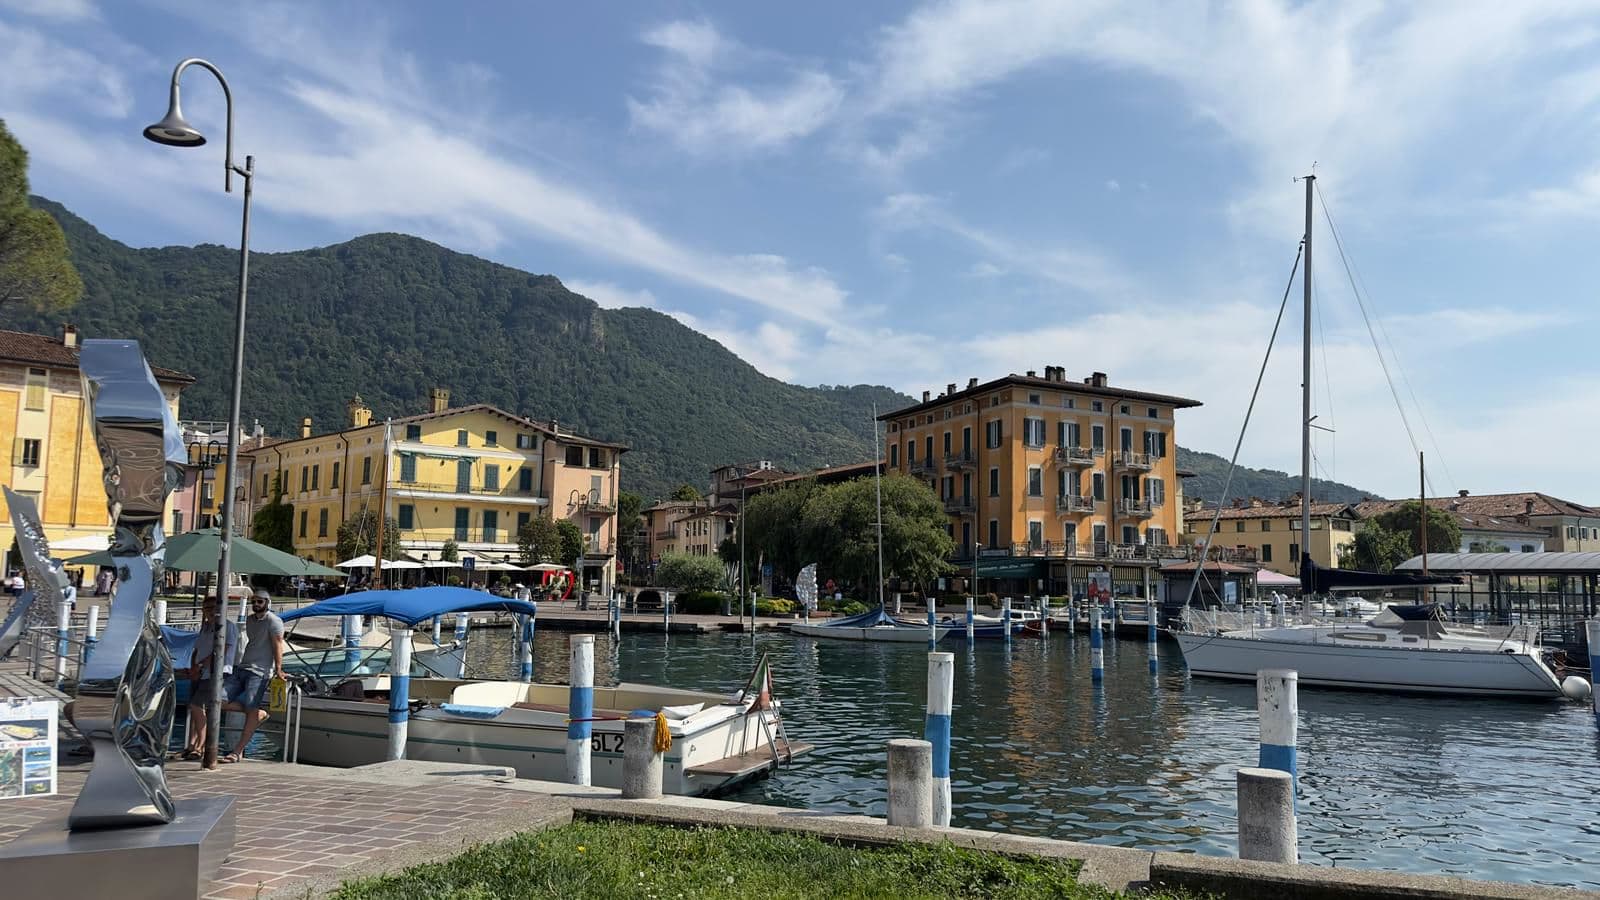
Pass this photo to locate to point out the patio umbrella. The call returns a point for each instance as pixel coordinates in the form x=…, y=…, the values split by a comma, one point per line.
x=364, y=561
x=197, y=551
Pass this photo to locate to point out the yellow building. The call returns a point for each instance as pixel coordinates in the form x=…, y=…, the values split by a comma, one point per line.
x=1039, y=473
x=1270, y=532
x=472, y=475
x=45, y=422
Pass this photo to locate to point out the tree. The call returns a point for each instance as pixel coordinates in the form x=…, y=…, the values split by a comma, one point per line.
x=629, y=505
x=273, y=523
x=358, y=536
x=685, y=492
x=571, y=542
x=1444, y=533
x=683, y=572
x=1375, y=549
x=450, y=551
x=35, y=267
x=773, y=526
x=539, y=541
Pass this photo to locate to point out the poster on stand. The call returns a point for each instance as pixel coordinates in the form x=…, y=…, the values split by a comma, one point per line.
x=27, y=747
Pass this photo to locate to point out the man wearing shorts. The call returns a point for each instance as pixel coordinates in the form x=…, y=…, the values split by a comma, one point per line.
x=202, y=688
x=262, y=660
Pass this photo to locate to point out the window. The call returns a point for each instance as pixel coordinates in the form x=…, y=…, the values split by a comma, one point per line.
x=966, y=441
x=1155, y=444
x=33, y=397
x=316, y=477
x=948, y=488
x=491, y=438
x=461, y=437
x=911, y=452
x=947, y=443
x=992, y=434
x=1069, y=535
x=1035, y=482
x=408, y=467
x=1099, y=485
x=463, y=475
x=304, y=517
x=408, y=516
x=929, y=445
x=1155, y=490
x=177, y=521
x=1239, y=525
x=305, y=478
x=994, y=482
x=1033, y=432
x=28, y=452
x=491, y=526
x=1123, y=409
x=574, y=456
x=1266, y=553
x=894, y=456
x=527, y=442
x=463, y=522
x=994, y=532
x=523, y=519
x=596, y=460
x=1069, y=403
x=1341, y=524
x=1033, y=399
x=366, y=470
x=1571, y=531
x=966, y=535
x=491, y=478
x=1097, y=438
x=525, y=479
x=1153, y=413
x=333, y=482
x=1294, y=553
x=1155, y=536
x=1099, y=535
x=1266, y=524
x=1130, y=534
x=1527, y=548
x=1126, y=437
x=413, y=432
x=322, y=523
x=263, y=484
x=966, y=486
x=1097, y=406
x=1035, y=534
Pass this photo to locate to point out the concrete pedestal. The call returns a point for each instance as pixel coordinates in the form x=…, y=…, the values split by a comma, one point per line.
x=151, y=862
x=641, y=764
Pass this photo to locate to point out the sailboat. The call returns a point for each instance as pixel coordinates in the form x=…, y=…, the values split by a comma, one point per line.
x=1408, y=649
x=877, y=624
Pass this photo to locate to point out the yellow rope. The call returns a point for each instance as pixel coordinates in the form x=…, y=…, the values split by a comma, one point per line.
x=663, y=741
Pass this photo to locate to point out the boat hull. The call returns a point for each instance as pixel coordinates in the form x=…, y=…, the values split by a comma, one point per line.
x=877, y=633
x=1409, y=670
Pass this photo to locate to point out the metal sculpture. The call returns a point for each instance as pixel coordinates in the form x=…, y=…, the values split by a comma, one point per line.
x=36, y=607
x=126, y=694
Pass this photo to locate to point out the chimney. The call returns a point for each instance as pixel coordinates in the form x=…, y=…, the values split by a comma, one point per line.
x=1240, y=503
x=1098, y=379
x=1527, y=507
x=925, y=396
x=950, y=388
x=1033, y=373
x=555, y=427
x=1462, y=492
x=1256, y=503
x=305, y=427
x=360, y=413
x=69, y=336
x=972, y=383
x=438, y=399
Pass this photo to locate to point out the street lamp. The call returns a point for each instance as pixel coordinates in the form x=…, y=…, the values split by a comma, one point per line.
x=174, y=131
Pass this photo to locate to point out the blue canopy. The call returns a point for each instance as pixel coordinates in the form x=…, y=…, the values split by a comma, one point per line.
x=411, y=606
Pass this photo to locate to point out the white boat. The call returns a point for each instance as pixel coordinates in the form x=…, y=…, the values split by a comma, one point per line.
x=1421, y=654
x=872, y=626
x=717, y=740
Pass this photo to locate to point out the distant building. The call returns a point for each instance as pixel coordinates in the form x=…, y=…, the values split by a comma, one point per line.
x=1269, y=532
x=1516, y=523
x=663, y=525
x=53, y=455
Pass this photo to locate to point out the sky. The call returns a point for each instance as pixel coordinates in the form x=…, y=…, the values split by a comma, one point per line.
x=913, y=194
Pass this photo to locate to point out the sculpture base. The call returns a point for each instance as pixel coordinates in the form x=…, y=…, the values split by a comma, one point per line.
x=152, y=861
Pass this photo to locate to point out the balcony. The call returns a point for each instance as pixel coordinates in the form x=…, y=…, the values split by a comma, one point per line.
x=1074, y=503
x=456, y=487
x=597, y=507
x=1075, y=456
x=596, y=546
x=956, y=506
x=1127, y=459
x=955, y=462
x=667, y=535
x=1130, y=507
x=921, y=466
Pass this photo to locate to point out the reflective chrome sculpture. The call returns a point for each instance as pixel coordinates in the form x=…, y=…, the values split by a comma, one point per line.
x=36, y=607
x=126, y=694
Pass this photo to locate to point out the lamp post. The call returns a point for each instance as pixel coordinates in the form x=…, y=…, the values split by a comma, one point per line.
x=174, y=131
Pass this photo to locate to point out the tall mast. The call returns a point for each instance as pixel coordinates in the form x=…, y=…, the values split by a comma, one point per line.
x=383, y=501
x=1305, y=393
x=1422, y=514
x=877, y=483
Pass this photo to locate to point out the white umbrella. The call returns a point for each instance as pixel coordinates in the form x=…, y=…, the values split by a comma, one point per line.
x=546, y=567
x=81, y=543
x=364, y=561
x=392, y=564
x=440, y=564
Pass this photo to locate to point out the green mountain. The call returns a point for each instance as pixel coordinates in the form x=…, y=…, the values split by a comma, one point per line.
x=389, y=316
x=1211, y=471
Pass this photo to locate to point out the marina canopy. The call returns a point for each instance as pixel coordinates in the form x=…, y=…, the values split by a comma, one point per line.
x=412, y=606
x=1508, y=563
x=1270, y=579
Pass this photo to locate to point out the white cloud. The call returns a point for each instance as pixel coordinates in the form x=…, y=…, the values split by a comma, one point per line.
x=985, y=269
x=610, y=295
x=55, y=10
x=1579, y=198
x=706, y=118
x=38, y=68
x=1113, y=185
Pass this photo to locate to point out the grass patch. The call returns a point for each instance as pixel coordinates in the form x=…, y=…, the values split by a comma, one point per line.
x=615, y=859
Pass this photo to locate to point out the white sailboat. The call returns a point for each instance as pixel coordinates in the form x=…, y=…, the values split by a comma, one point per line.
x=1406, y=649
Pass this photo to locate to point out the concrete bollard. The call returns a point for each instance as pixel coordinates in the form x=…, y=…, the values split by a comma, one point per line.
x=1266, y=816
x=971, y=634
x=1097, y=651
x=936, y=730
x=92, y=635
x=63, y=638
x=399, y=688
x=161, y=611
x=897, y=603
x=525, y=649
x=580, y=708
x=461, y=641
x=641, y=763
x=1005, y=618
x=352, y=642
x=1278, y=705
x=910, y=783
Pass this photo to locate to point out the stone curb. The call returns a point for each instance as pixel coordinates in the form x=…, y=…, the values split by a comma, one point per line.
x=1246, y=879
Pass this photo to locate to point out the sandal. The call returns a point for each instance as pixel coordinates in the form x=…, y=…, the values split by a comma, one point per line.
x=230, y=758
x=189, y=754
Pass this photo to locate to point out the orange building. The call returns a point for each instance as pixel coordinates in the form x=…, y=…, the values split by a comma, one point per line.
x=1046, y=480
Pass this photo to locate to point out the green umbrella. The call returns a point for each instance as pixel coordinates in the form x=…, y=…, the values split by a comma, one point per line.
x=197, y=551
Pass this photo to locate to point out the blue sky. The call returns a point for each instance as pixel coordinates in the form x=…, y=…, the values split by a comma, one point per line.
x=912, y=194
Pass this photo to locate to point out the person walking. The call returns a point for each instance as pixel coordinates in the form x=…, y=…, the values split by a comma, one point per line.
x=261, y=661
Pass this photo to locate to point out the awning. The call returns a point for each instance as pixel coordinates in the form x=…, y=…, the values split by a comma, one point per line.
x=197, y=551
x=411, y=606
x=1009, y=568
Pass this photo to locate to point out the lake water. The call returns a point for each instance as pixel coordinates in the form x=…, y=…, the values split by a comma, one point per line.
x=1484, y=788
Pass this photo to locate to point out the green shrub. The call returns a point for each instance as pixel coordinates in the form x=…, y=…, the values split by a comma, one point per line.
x=699, y=602
x=775, y=606
x=849, y=608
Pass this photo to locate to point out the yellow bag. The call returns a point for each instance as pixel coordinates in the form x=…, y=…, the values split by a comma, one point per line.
x=277, y=695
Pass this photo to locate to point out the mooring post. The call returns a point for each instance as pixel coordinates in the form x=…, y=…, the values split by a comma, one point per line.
x=525, y=649
x=936, y=730
x=438, y=631
x=1097, y=651
x=971, y=633
x=1072, y=616
x=933, y=626
x=910, y=783
x=641, y=761
x=1044, y=615
x=1278, y=704
x=1266, y=816
x=461, y=641
x=1005, y=618
x=580, y=708
x=161, y=611
x=897, y=603
x=92, y=635
x=351, y=626
x=666, y=612
x=399, y=688
x=63, y=639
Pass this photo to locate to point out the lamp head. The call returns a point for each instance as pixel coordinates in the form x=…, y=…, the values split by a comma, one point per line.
x=173, y=130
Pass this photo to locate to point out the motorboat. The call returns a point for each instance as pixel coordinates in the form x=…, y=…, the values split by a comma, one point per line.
x=874, y=625
x=718, y=740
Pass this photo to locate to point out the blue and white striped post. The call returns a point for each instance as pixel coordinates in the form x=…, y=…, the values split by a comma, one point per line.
x=161, y=611
x=971, y=634
x=616, y=616
x=1097, y=652
x=525, y=648
x=352, y=643
x=92, y=635
x=399, y=688
x=1072, y=616
x=438, y=631
x=1044, y=615
x=1152, y=611
x=461, y=641
x=63, y=638
x=933, y=627
x=1592, y=632
x=580, y=708
x=666, y=612
x=1005, y=618
x=1278, y=705
x=936, y=731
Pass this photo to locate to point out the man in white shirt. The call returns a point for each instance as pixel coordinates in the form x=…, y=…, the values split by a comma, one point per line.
x=202, y=688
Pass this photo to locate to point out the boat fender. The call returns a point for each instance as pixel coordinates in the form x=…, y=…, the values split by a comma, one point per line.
x=1576, y=688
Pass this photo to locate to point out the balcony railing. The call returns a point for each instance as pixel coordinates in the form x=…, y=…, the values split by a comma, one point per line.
x=1128, y=459
x=957, y=505
x=920, y=466
x=593, y=545
x=1101, y=550
x=597, y=507
x=1074, y=503
x=667, y=535
x=456, y=487
x=957, y=461
x=1075, y=456
x=1130, y=507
